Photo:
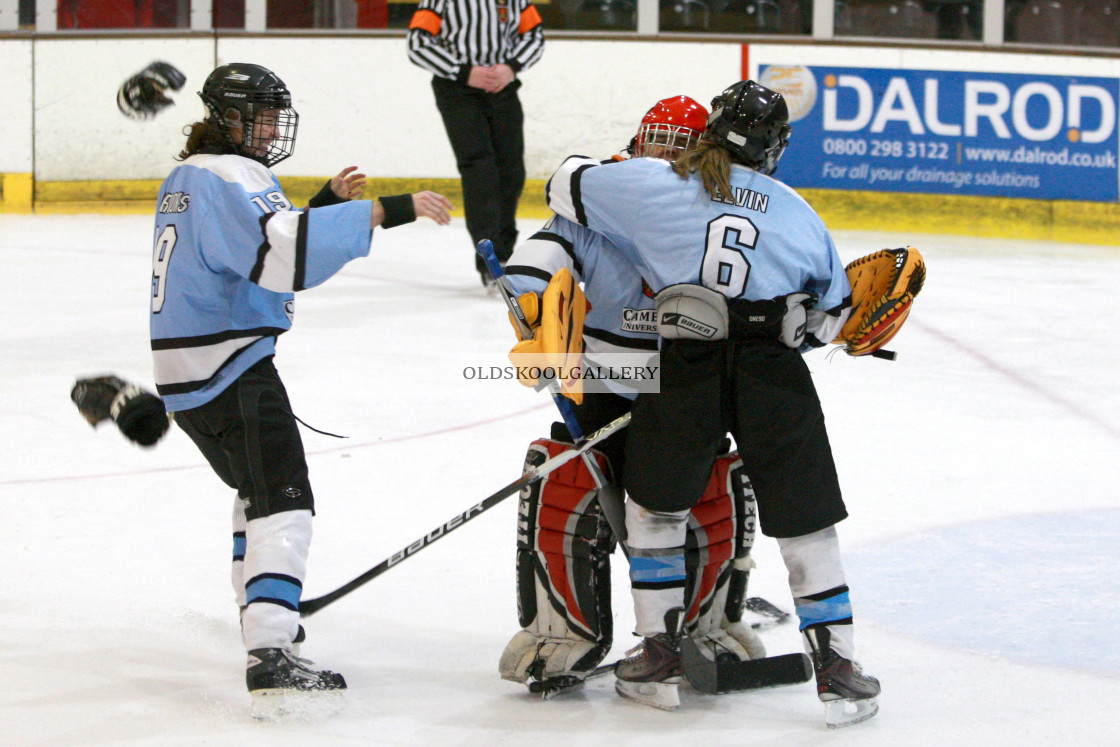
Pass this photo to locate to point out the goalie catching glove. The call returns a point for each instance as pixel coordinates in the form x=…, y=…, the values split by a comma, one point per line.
x=884, y=285
x=142, y=95
x=556, y=320
x=140, y=415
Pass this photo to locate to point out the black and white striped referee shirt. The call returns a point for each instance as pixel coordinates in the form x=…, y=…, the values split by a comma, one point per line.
x=449, y=37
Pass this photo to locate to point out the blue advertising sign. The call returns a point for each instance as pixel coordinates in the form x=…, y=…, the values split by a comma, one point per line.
x=932, y=131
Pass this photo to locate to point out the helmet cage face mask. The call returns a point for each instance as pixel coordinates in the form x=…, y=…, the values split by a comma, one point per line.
x=253, y=100
x=270, y=135
x=656, y=140
x=669, y=127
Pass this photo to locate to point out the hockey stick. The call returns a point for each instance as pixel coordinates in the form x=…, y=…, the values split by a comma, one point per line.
x=311, y=606
x=720, y=676
x=610, y=499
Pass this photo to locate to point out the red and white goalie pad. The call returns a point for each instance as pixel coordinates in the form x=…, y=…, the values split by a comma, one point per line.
x=563, y=576
x=718, y=546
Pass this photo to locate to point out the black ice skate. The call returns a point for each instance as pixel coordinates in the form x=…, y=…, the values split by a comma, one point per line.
x=281, y=683
x=651, y=674
x=849, y=695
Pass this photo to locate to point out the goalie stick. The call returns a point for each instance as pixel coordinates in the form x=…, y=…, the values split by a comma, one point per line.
x=311, y=606
x=716, y=678
x=722, y=677
x=610, y=498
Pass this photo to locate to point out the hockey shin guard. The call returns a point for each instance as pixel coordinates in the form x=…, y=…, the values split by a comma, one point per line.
x=563, y=577
x=657, y=566
x=276, y=549
x=237, y=568
x=820, y=593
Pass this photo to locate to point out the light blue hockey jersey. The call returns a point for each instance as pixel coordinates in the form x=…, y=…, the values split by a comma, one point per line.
x=621, y=328
x=229, y=252
x=761, y=242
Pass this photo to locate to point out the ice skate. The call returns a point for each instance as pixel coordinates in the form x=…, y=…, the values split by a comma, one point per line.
x=849, y=695
x=652, y=670
x=282, y=684
x=651, y=674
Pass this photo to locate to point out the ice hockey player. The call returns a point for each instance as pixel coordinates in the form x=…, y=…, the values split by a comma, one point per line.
x=564, y=539
x=230, y=251
x=746, y=277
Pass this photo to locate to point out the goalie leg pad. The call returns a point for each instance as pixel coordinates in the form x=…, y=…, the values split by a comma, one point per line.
x=720, y=536
x=563, y=576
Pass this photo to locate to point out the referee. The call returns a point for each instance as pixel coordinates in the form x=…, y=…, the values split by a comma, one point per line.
x=474, y=50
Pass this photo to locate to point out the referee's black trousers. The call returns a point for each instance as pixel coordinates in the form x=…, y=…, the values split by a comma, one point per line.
x=485, y=130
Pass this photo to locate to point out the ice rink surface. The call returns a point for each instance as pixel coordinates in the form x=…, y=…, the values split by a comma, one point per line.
x=979, y=469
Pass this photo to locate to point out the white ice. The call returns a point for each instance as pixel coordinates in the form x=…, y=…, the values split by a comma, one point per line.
x=979, y=470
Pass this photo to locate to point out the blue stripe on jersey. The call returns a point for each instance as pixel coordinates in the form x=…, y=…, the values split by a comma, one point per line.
x=239, y=545
x=275, y=588
x=815, y=612
x=663, y=569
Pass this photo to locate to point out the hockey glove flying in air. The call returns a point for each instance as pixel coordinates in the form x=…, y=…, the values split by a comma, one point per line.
x=884, y=285
x=557, y=344
x=140, y=415
x=142, y=95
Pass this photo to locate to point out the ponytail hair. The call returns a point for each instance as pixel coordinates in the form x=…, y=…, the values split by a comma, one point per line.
x=204, y=137
x=712, y=162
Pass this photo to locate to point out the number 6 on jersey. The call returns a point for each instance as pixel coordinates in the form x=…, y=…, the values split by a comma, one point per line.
x=726, y=267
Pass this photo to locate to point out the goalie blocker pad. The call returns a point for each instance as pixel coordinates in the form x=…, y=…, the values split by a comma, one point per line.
x=563, y=573
x=557, y=344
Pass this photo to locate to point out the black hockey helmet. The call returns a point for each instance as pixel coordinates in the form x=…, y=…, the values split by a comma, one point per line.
x=752, y=123
x=254, y=100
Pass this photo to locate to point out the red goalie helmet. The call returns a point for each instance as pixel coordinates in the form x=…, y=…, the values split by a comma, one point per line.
x=669, y=127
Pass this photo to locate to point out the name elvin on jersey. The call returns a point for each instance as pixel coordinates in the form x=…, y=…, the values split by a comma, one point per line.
x=746, y=198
